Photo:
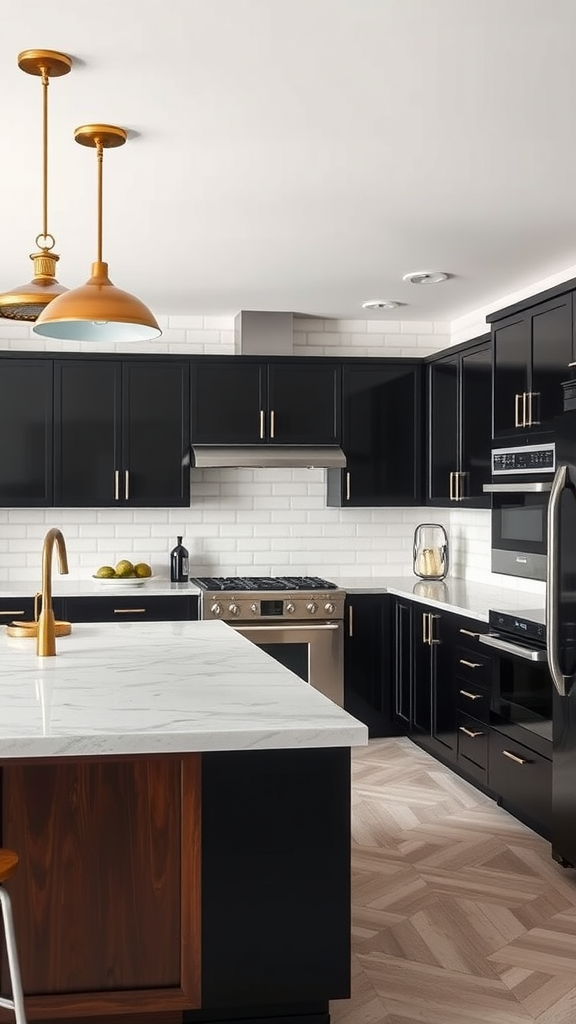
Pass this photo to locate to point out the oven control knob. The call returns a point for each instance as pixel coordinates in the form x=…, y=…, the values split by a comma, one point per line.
x=330, y=608
x=254, y=608
x=311, y=607
x=216, y=609
x=290, y=608
x=234, y=609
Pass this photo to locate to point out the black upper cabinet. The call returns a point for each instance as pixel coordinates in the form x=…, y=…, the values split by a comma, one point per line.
x=121, y=433
x=381, y=435
x=25, y=432
x=459, y=387
x=239, y=400
x=531, y=353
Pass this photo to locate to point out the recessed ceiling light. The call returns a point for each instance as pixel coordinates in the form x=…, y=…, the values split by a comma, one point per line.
x=379, y=304
x=425, y=277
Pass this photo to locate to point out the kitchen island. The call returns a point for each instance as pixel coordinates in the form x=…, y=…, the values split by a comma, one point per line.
x=181, y=806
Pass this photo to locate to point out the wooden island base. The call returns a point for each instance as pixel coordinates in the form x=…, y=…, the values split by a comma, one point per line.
x=186, y=889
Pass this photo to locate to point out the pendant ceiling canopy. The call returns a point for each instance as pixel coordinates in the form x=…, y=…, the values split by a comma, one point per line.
x=27, y=301
x=98, y=311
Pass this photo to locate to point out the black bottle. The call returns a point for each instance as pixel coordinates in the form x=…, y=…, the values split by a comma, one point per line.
x=179, y=563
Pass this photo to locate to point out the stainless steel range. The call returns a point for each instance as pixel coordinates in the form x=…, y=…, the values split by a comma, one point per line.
x=298, y=620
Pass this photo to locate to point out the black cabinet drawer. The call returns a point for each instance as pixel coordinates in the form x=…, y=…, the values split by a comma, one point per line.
x=131, y=609
x=522, y=779
x=22, y=608
x=473, y=667
x=473, y=740
x=473, y=700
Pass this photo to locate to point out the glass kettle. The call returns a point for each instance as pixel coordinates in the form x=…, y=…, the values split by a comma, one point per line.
x=430, y=552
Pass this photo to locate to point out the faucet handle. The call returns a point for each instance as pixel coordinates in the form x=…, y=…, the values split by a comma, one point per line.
x=37, y=597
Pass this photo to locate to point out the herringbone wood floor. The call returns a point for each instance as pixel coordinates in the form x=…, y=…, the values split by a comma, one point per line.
x=459, y=914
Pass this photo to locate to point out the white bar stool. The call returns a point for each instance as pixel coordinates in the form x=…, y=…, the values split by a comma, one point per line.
x=8, y=865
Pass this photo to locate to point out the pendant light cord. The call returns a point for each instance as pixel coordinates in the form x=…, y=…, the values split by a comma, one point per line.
x=45, y=240
x=100, y=164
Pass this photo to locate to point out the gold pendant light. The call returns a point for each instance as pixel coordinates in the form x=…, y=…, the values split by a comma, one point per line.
x=27, y=301
x=98, y=311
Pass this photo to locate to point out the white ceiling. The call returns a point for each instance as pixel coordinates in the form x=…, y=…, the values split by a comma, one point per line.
x=298, y=154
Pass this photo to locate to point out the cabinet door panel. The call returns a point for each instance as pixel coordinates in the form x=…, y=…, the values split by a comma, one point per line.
x=381, y=436
x=87, y=397
x=155, y=433
x=403, y=664
x=476, y=424
x=228, y=402
x=551, y=353
x=422, y=680
x=367, y=662
x=303, y=402
x=511, y=351
x=443, y=430
x=26, y=432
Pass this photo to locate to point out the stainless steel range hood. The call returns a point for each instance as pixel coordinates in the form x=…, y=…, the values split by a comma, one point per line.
x=211, y=456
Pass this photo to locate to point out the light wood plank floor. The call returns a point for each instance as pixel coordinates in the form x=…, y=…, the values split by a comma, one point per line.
x=459, y=914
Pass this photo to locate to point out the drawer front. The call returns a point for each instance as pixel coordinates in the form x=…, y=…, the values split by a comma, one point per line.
x=472, y=667
x=135, y=608
x=473, y=740
x=23, y=608
x=522, y=778
x=473, y=700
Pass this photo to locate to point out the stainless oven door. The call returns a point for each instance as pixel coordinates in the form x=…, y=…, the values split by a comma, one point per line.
x=521, y=696
x=313, y=651
x=519, y=529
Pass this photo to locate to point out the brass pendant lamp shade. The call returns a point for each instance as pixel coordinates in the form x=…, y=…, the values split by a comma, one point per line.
x=98, y=311
x=27, y=301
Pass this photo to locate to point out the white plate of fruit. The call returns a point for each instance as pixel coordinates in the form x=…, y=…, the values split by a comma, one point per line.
x=124, y=574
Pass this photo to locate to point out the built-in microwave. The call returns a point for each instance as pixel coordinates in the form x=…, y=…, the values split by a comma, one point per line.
x=520, y=488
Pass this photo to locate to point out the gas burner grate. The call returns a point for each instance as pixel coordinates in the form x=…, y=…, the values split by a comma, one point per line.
x=242, y=583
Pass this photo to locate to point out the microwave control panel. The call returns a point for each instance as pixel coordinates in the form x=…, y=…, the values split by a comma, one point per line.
x=529, y=458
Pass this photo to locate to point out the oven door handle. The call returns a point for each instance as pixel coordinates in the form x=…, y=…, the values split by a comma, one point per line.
x=528, y=653
x=303, y=624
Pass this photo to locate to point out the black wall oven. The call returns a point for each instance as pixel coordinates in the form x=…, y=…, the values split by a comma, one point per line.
x=520, y=489
x=521, y=698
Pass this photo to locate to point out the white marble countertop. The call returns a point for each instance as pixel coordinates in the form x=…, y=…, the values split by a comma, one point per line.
x=65, y=586
x=158, y=687
x=464, y=597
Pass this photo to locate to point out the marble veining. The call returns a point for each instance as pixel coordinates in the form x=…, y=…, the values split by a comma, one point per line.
x=158, y=687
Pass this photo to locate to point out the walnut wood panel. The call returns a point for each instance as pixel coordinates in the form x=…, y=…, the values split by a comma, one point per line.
x=107, y=896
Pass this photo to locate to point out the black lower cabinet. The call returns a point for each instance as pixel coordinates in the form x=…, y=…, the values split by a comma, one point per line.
x=521, y=780
x=22, y=609
x=135, y=608
x=368, y=676
x=473, y=677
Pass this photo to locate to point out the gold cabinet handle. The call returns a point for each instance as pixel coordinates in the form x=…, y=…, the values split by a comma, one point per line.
x=517, y=410
x=116, y=485
x=425, y=627
x=126, y=484
x=129, y=611
x=350, y=621
x=471, y=696
x=348, y=488
x=472, y=733
x=468, y=632
x=261, y=424
x=460, y=479
x=432, y=639
x=470, y=664
x=514, y=757
x=451, y=495
x=272, y=423
x=17, y=611
x=524, y=410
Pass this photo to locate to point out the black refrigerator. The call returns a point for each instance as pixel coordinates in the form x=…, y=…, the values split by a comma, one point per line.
x=561, y=638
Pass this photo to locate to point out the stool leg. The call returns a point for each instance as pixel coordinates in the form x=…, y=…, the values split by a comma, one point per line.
x=13, y=965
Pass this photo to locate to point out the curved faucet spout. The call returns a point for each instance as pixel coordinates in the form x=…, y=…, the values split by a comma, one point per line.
x=46, y=642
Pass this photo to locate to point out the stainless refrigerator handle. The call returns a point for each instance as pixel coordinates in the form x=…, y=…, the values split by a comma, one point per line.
x=552, y=581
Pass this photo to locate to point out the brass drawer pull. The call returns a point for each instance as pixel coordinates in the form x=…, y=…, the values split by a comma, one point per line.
x=271, y=422
x=515, y=758
x=470, y=664
x=468, y=632
x=472, y=733
x=116, y=485
x=471, y=696
x=261, y=424
x=126, y=484
x=18, y=611
x=129, y=611
x=347, y=486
